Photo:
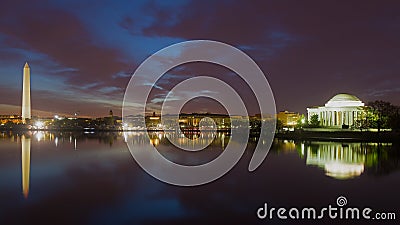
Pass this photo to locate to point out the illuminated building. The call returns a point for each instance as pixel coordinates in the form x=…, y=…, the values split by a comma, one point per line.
x=153, y=121
x=288, y=119
x=193, y=120
x=186, y=121
x=26, y=94
x=10, y=118
x=341, y=110
x=189, y=121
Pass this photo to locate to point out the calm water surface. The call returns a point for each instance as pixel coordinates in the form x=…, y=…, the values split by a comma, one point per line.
x=76, y=178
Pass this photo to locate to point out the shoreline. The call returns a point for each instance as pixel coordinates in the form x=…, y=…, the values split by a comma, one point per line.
x=306, y=135
x=356, y=136
x=107, y=130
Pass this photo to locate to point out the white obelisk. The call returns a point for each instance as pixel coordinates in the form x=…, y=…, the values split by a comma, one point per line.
x=26, y=94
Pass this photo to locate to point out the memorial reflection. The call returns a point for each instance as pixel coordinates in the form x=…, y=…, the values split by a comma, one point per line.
x=345, y=160
x=342, y=161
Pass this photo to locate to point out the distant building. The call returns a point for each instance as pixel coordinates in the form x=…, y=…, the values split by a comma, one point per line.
x=10, y=118
x=111, y=120
x=153, y=121
x=288, y=119
x=222, y=121
x=186, y=121
x=341, y=110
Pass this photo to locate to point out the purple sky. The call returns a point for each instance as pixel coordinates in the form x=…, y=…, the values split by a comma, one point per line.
x=82, y=54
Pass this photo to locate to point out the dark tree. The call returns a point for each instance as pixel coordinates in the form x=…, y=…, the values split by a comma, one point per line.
x=384, y=111
x=279, y=125
x=394, y=119
x=314, y=121
x=301, y=122
x=255, y=125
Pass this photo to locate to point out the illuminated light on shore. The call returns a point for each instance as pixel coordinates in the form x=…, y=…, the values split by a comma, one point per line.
x=39, y=125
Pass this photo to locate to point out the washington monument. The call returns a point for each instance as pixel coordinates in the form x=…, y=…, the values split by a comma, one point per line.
x=26, y=94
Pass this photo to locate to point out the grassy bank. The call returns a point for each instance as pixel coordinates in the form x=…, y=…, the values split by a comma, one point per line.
x=367, y=136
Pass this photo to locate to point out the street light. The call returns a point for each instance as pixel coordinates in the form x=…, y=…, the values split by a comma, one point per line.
x=39, y=124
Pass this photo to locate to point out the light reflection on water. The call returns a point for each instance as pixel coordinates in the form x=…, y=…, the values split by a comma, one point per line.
x=338, y=160
x=189, y=140
x=26, y=163
x=69, y=166
x=344, y=160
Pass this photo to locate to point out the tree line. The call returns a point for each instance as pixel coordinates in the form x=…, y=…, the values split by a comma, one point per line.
x=380, y=115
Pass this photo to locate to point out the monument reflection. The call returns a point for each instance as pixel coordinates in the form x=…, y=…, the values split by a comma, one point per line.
x=26, y=163
x=337, y=159
x=343, y=160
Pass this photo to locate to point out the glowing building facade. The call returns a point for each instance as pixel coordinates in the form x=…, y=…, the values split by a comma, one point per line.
x=288, y=119
x=341, y=110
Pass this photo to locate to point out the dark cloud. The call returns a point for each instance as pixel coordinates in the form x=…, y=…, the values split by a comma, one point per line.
x=309, y=50
x=61, y=103
x=64, y=39
x=69, y=52
x=191, y=70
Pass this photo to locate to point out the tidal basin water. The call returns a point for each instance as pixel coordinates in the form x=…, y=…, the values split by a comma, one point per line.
x=91, y=178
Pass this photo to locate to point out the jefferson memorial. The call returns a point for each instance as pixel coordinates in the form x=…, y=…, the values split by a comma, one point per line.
x=342, y=109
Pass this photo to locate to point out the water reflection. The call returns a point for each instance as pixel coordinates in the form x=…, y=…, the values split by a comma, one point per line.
x=344, y=160
x=165, y=144
x=337, y=160
x=184, y=139
x=25, y=140
x=26, y=163
x=64, y=182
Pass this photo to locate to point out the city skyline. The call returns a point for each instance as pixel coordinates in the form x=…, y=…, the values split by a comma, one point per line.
x=82, y=58
x=199, y=112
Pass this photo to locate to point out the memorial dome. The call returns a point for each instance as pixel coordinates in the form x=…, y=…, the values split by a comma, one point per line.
x=341, y=100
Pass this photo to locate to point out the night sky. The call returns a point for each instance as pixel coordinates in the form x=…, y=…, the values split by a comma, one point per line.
x=83, y=54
